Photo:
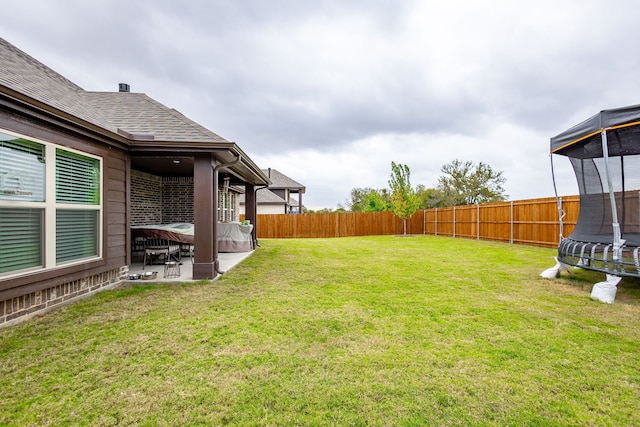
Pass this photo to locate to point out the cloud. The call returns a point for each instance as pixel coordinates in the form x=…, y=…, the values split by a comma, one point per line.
x=367, y=163
x=330, y=92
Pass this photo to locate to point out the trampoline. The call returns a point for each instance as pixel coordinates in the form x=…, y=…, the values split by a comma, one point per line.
x=604, y=152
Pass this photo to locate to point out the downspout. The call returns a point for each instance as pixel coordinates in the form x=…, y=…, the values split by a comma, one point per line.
x=216, y=260
x=617, y=240
x=255, y=192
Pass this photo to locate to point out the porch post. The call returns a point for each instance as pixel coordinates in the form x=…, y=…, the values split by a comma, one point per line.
x=250, y=213
x=204, y=208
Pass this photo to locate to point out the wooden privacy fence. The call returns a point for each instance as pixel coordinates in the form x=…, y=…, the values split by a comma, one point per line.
x=530, y=222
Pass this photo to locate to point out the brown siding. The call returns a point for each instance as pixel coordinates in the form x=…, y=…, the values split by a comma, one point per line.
x=116, y=228
x=28, y=293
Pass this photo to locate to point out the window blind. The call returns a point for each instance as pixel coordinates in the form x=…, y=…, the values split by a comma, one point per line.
x=21, y=237
x=76, y=234
x=21, y=169
x=77, y=179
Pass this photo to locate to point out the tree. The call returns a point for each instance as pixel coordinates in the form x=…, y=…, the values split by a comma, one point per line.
x=368, y=200
x=403, y=198
x=429, y=198
x=377, y=201
x=464, y=183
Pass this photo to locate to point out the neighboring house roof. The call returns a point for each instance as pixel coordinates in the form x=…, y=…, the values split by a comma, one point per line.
x=265, y=197
x=280, y=180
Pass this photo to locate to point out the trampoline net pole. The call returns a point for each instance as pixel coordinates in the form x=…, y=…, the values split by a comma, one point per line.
x=617, y=246
x=561, y=212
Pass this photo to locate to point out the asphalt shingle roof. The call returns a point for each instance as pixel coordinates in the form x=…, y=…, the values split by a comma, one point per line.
x=139, y=114
x=26, y=75
x=265, y=196
x=268, y=197
x=134, y=113
x=280, y=180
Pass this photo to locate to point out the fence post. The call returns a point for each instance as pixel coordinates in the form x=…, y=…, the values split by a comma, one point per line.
x=533, y=224
x=454, y=222
x=436, y=224
x=478, y=222
x=424, y=221
x=511, y=221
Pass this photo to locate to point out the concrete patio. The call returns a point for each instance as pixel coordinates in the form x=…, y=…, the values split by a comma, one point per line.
x=228, y=260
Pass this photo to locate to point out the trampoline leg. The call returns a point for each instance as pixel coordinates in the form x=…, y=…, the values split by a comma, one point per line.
x=551, y=273
x=606, y=291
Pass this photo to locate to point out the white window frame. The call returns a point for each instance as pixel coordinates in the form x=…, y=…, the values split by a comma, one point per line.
x=50, y=207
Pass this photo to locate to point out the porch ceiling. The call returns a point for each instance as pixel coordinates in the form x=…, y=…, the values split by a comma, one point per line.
x=164, y=165
x=182, y=165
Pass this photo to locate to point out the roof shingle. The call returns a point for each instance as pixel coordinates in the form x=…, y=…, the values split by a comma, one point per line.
x=280, y=180
x=134, y=113
x=137, y=113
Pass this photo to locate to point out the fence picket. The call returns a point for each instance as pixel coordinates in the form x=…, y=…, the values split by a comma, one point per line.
x=530, y=222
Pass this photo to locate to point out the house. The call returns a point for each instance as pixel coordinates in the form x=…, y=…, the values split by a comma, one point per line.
x=278, y=197
x=79, y=168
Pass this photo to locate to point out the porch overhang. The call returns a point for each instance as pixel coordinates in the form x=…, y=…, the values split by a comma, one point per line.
x=177, y=159
x=203, y=162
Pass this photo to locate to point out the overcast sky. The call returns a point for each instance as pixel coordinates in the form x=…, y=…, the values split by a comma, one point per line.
x=330, y=92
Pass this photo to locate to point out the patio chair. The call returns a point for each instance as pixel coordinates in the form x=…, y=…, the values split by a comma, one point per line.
x=154, y=248
x=137, y=245
x=186, y=249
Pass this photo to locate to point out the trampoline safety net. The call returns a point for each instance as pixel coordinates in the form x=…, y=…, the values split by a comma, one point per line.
x=606, y=164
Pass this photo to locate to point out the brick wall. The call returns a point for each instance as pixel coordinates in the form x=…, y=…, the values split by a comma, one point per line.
x=146, y=198
x=177, y=199
x=160, y=200
x=164, y=200
x=18, y=308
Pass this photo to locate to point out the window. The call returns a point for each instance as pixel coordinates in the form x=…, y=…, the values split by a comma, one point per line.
x=226, y=206
x=22, y=169
x=21, y=232
x=50, y=205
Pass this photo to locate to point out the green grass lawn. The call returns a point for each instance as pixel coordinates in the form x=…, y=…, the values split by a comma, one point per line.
x=353, y=331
